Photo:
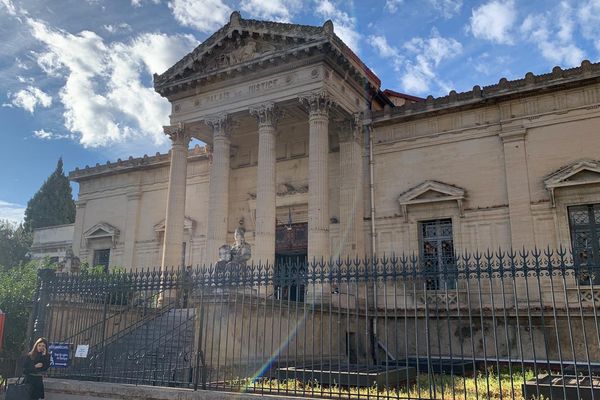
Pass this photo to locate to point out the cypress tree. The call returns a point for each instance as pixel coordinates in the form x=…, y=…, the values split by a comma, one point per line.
x=53, y=203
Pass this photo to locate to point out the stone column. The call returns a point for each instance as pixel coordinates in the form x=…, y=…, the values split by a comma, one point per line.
x=519, y=208
x=175, y=215
x=132, y=218
x=517, y=187
x=218, y=194
x=318, y=105
x=267, y=116
x=351, y=190
x=78, y=229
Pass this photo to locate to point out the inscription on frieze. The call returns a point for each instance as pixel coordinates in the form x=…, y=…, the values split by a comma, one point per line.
x=262, y=86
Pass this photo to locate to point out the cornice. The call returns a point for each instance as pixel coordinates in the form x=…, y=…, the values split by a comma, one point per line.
x=504, y=90
x=132, y=164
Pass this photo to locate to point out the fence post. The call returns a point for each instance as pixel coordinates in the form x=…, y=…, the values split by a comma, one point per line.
x=45, y=276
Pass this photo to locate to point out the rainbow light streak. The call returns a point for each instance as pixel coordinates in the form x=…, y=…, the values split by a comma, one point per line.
x=259, y=373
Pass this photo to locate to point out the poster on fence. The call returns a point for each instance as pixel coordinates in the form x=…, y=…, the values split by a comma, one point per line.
x=82, y=350
x=59, y=355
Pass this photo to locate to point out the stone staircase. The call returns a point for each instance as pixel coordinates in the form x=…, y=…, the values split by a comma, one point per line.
x=158, y=352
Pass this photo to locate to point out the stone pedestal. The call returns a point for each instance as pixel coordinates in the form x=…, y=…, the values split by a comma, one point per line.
x=267, y=116
x=218, y=197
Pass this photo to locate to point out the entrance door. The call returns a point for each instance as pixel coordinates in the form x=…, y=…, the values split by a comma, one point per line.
x=290, y=261
x=585, y=237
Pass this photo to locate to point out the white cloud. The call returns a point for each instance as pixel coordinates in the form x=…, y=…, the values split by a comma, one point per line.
x=29, y=99
x=12, y=212
x=45, y=135
x=552, y=33
x=9, y=7
x=344, y=25
x=588, y=17
x=419, y=72
x=123, y=27
x=385, y=50
x=448, y=8
x=275, y=10
x=104, y=96
x=138, y=3
x=392, y=6
x=204, y=15
x=493, y=21
x=22, y=79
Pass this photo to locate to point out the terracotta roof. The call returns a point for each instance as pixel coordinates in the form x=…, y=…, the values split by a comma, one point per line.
x=392, y=93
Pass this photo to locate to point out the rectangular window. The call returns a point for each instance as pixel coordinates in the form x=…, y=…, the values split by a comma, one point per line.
x=584, y=222
x=437, y=254
x=102, y=257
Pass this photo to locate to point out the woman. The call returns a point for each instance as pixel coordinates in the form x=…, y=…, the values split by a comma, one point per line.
x=37, y=361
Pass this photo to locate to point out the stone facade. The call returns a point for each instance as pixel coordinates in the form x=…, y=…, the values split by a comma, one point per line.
x=298, y=131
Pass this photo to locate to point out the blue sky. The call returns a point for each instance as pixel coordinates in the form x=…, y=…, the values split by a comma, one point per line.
x=76, y=75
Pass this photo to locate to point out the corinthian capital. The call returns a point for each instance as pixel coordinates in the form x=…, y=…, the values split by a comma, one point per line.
x=178, y=134
x=317, y=103
x=267, y=114
x=220, y=124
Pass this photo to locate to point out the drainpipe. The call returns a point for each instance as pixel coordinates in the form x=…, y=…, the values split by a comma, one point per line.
x=372, y=187
x=367, y=124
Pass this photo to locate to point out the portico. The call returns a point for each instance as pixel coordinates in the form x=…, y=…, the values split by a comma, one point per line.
x=257, y=95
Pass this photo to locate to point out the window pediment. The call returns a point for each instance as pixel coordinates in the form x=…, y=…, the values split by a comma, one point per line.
x=189, y=225
x=582, y=172
x=431, y=192
x=102, y=230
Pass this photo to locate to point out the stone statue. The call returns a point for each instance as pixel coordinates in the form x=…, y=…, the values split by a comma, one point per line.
x=240, y=251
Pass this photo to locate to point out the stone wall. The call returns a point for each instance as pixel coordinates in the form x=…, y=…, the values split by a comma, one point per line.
x=57, y=389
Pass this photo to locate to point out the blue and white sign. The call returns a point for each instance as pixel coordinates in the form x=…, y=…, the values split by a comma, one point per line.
x=59, y=355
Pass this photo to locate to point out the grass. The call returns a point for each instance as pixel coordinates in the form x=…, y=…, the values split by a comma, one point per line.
x=482, y=386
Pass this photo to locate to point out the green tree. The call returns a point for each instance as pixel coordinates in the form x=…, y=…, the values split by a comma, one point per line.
x=53, y=204
x=15, y=241
x=17, y=285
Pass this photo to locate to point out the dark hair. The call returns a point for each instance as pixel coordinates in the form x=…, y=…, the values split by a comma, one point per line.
x=33, y=351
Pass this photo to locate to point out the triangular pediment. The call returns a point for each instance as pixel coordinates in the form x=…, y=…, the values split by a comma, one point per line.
x=243, y=45
x=101, y=230
x=431, y=191
x=581, y=172
x=189, y=224
x=239, y=43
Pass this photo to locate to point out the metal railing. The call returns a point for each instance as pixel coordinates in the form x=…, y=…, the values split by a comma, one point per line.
x=487, y=325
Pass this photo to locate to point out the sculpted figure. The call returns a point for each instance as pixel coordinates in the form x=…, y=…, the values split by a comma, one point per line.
x=224, y=260
x=243, y=53
x=240, y=251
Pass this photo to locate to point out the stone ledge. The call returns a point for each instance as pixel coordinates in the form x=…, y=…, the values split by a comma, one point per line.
x=61, y=389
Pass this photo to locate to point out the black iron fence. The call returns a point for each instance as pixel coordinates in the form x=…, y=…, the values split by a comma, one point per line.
x=491, y=325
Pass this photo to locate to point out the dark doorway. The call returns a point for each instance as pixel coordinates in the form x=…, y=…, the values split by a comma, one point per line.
x=290, y=276
x=290, y=261
x=584, y=221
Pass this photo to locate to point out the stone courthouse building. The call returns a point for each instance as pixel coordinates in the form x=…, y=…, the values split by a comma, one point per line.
x=308, y=153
